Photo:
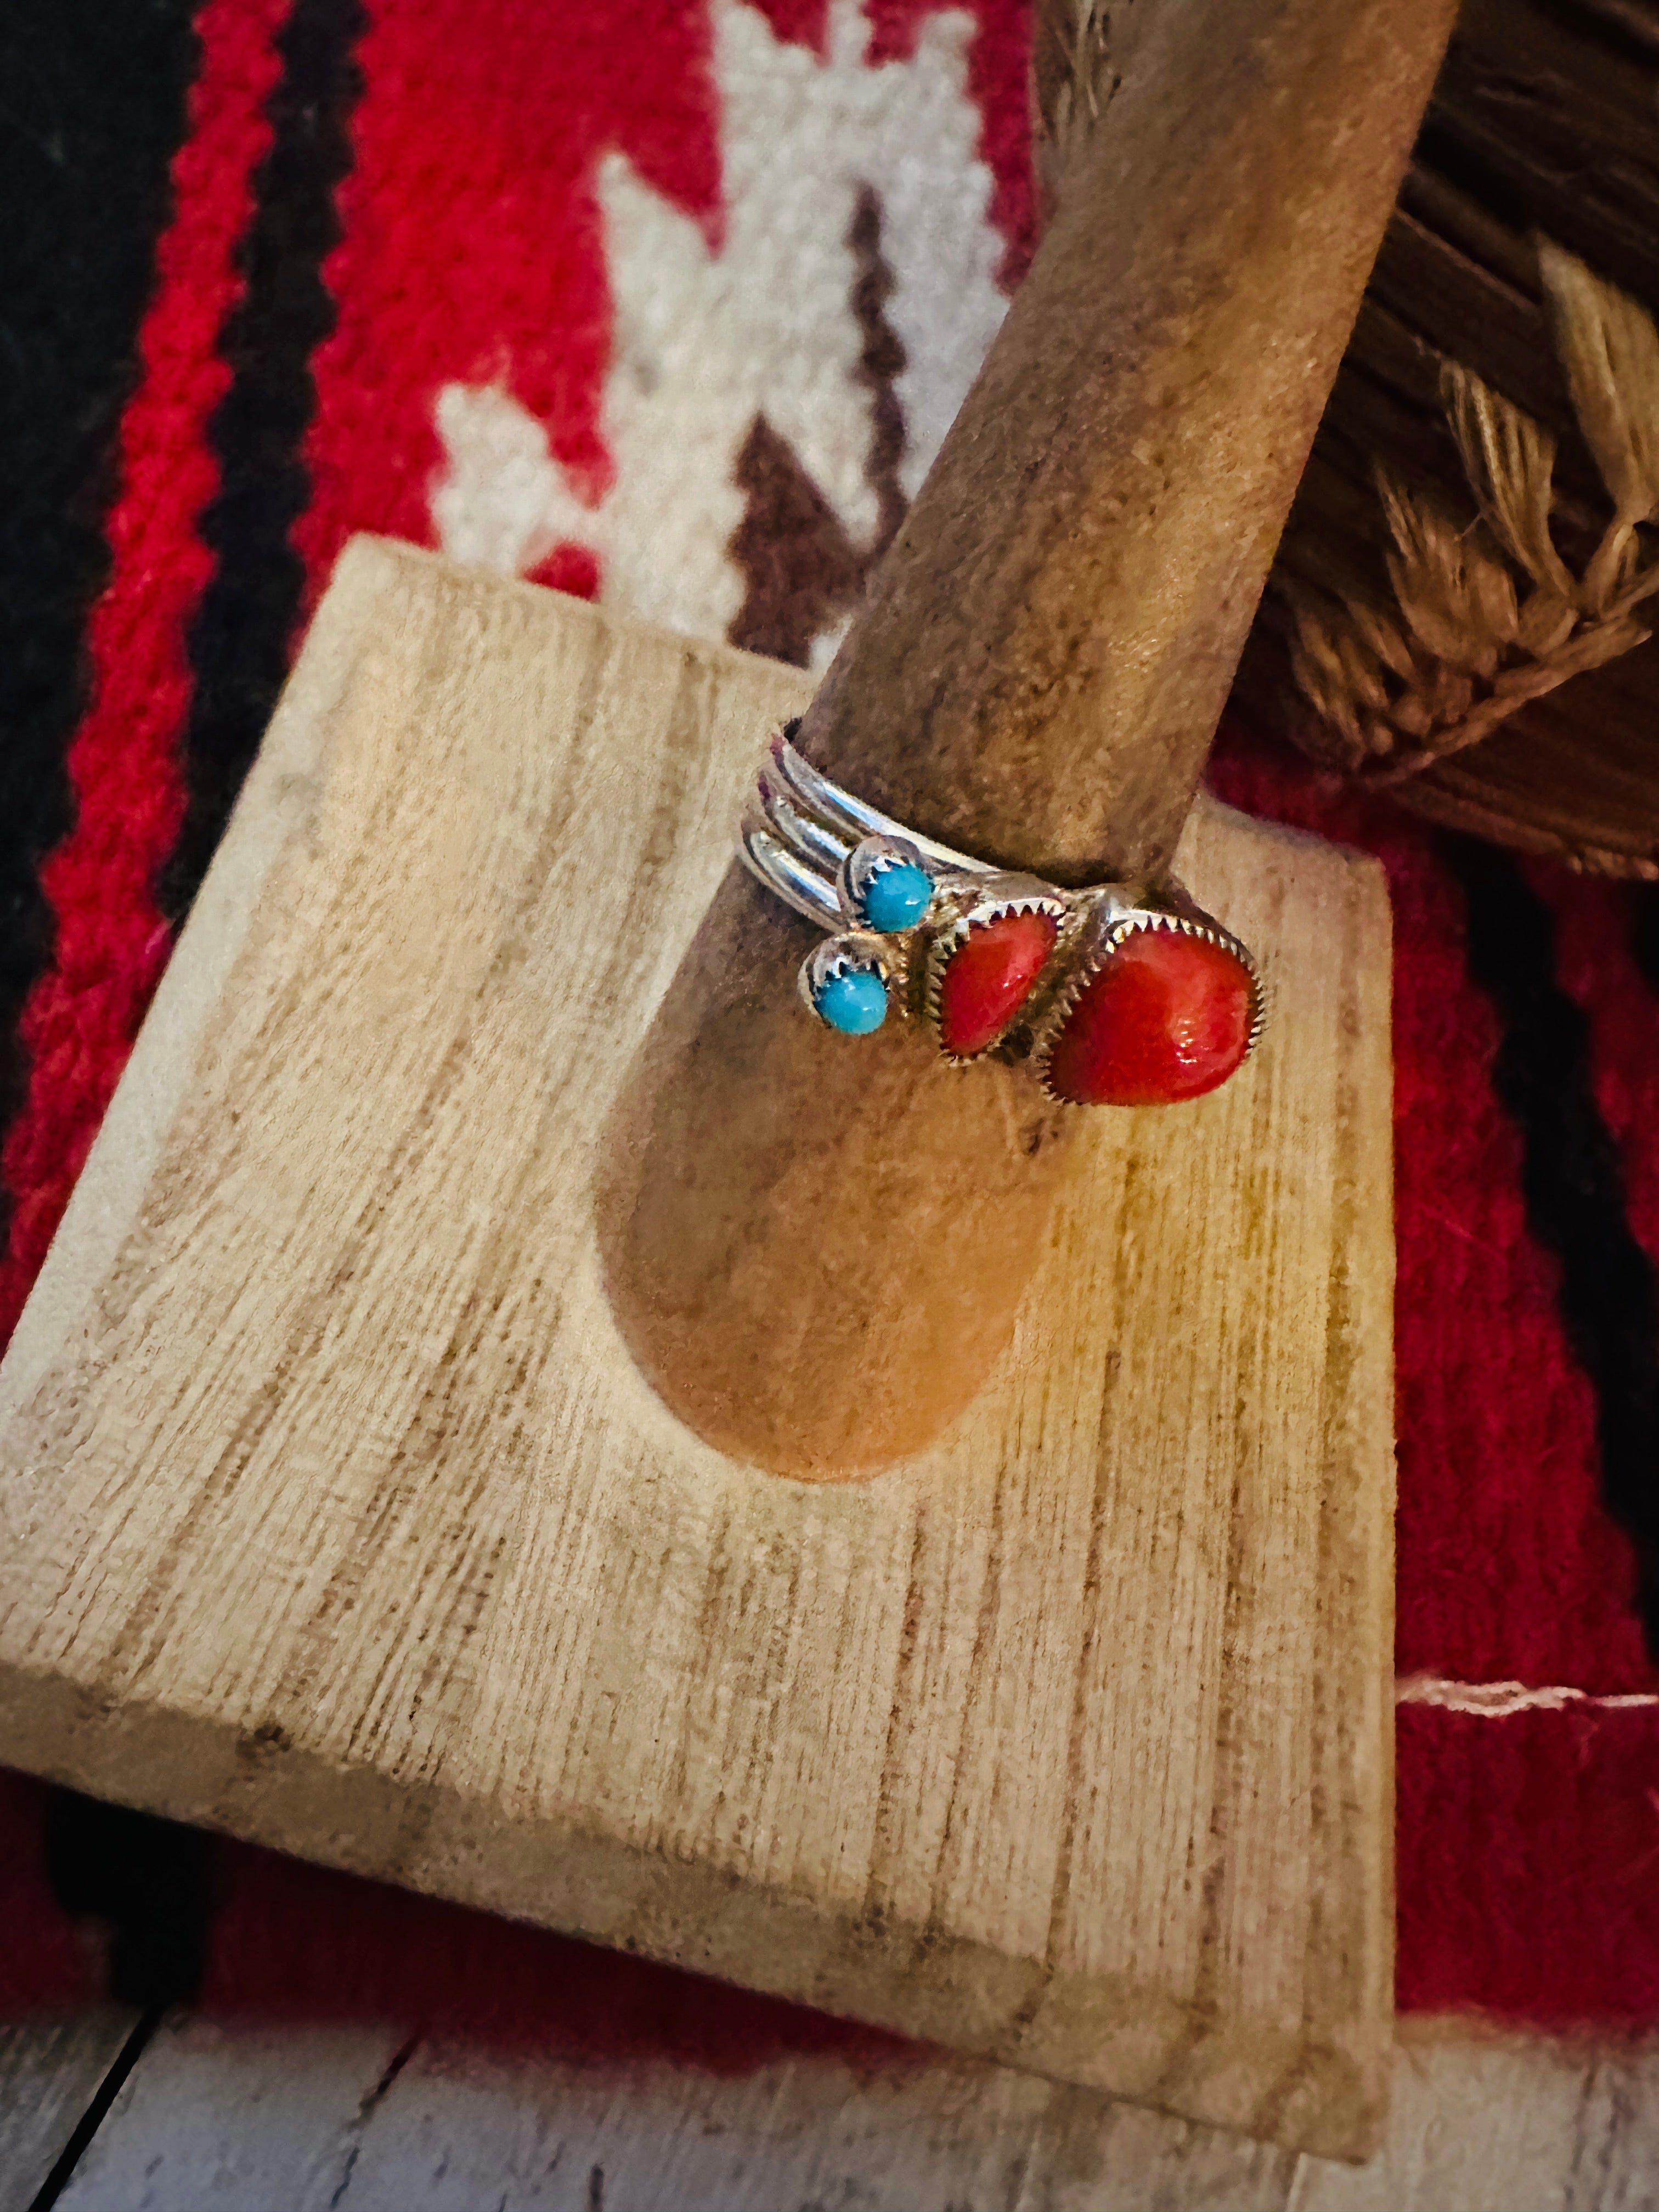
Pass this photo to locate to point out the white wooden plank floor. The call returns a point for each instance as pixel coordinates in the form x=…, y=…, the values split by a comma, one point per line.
x=306, y=2120
x=49, y=2074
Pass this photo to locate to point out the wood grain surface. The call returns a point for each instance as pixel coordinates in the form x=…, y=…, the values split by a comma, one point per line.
x=336, y=1515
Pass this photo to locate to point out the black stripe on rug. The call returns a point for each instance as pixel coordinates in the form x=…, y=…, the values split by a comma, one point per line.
x=1645, y=934
x=1574, y=1189
x=241, y=637
x=148, y=1880
x=92, y=109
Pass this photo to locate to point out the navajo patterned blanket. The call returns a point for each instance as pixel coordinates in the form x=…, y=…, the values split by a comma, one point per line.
x=670, y=301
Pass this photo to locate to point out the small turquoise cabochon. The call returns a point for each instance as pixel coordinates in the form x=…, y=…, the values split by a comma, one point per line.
x=854, y=1001
x=897, y=898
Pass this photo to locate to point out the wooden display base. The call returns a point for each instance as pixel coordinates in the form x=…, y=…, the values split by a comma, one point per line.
x=336, y=1515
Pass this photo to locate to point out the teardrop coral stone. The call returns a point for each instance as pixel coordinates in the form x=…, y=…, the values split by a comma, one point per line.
x=988, y=978
x=1166, y=1016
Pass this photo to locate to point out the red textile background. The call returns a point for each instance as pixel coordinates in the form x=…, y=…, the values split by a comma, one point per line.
x=472, y=248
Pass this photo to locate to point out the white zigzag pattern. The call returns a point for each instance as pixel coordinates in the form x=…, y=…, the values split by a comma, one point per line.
x=705, y=340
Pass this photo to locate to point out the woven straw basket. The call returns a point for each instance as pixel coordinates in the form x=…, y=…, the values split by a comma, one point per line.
x=1460, y=606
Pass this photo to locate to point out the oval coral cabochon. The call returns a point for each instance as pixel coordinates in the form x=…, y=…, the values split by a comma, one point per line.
x=1166, y=1016
x=989, y=978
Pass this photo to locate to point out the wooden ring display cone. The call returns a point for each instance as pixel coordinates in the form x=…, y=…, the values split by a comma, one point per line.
x=815, y=1251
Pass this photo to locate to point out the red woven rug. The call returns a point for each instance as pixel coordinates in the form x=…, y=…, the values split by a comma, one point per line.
x=672, y=302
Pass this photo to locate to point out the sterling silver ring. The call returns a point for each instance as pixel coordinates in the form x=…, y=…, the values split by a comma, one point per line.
x=1114, y=999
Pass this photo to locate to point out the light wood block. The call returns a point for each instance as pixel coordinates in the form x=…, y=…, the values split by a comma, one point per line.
x=335, y=1516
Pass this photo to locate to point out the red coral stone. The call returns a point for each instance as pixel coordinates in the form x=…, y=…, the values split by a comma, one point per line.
x=1166, y=1016
x=988, y=978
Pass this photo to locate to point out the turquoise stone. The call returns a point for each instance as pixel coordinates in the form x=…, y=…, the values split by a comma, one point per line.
x=854, y=1002
x=897, y=898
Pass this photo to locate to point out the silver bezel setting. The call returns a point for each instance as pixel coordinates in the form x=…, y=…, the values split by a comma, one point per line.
x=965, y=905
x=1116, y=924
x=867, y=859
x=859, y=949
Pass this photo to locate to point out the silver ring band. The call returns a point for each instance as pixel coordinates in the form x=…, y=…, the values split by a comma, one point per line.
x=903, y=909
x=801, y=830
